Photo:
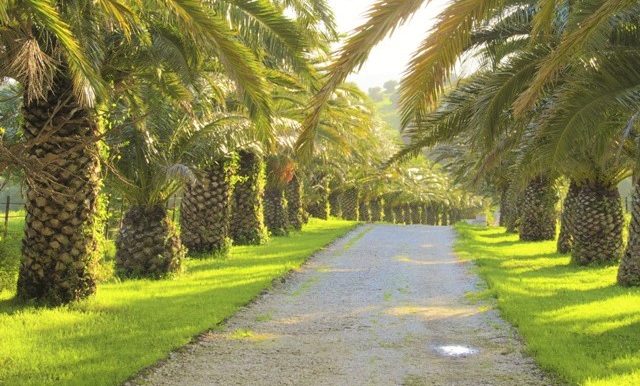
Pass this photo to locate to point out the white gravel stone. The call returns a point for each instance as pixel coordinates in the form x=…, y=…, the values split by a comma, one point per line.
x=385, y=305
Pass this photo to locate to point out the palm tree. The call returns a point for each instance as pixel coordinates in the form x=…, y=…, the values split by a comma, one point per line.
x=153, y=154
x=377, y=205
x=295, y=210
x=54, y=50
x=350, y=203
x=205, y=210
x=148, y=244
x=317, y=195
x=565, y=238
x=247, y=223
x=279, y=174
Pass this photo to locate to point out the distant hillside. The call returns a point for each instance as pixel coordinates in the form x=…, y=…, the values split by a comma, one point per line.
x=386, y=100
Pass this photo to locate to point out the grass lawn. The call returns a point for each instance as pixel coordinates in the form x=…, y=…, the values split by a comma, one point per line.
x=576, y=321
x=129, y=325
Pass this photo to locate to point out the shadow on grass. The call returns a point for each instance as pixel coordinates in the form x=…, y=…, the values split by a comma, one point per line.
x=575, y=320
x=130, y=325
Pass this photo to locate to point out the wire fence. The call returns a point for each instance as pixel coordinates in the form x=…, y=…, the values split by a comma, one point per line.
x=13, y=215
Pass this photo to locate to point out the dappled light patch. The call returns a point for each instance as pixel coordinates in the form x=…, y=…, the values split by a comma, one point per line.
x=433, y=313
x=407, y=259
x=575, y=320
x=130, y=325
x=251, y=336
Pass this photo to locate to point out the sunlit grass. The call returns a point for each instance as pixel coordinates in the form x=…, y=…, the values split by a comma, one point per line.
x=130, y=325
x=576, y=321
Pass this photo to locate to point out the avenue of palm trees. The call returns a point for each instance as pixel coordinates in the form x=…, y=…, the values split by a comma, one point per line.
x=239, y=113
x=550, y=99
x=140, y=101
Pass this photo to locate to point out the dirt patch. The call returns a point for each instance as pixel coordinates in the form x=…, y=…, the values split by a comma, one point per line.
x=384, y=306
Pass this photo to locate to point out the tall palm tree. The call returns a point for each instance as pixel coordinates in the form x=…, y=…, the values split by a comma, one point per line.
x=279, y=174
x=205, y=210
x=295, y=210
x=56, y=50
x=565, y=238
x=247, y=222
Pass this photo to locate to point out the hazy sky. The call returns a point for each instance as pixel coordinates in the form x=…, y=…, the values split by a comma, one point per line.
x=390, y=58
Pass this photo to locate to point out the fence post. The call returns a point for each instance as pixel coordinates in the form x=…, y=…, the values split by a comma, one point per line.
x=6, y=216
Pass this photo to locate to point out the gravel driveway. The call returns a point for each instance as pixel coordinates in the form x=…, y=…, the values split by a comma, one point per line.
x=385, y=305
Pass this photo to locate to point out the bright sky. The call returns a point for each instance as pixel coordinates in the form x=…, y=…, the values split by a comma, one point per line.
x=390, y=58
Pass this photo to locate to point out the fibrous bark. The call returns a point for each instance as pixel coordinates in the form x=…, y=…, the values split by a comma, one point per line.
x=148, y=245
x=416, y=213
x=597, y=225
x=363, y=211
x=398, y=214
x=247, y=218
x=565, y=239
x=320, y=206
x=406, y=214
x=629, y=271
x=275, y=211
x=295, y=211
x=205, y=211
x=538, y=214
x=389, y=215
x=431, y=214
x=424, y=218
x=376, y=209
x=59, y=247
x=334, y=204
x=349, y=204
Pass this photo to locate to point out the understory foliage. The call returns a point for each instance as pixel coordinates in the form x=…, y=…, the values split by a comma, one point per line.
x=549, y=98
x=147, y=104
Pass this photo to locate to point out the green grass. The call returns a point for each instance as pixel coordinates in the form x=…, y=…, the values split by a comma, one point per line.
x=10, y=249
x=576, y=321
x=130, y=325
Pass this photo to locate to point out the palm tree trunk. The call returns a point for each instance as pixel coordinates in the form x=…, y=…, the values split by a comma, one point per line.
x=629, y=271
x=275, y=211
x=406, y=214
x=539, y=216
x=416, y=213
x=444, y=216
x=363, y=211
x=247, y=218
x=513, y=218
x=565, y=239
x=205, y=211
x=424, y=219
x=597, y=225
x=431, y=214
x=504, y=207
x=334, y=204
x=294, y=203
x=320, y=207
x=376, y=209
x=349, y=204
x=389, y=215
x=398, y=214
x=148, y=245
x=59, y=247
x=437, y=214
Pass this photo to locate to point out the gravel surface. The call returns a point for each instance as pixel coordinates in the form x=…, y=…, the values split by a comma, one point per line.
x=385, y=305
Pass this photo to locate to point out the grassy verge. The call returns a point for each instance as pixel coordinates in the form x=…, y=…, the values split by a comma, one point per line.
x=130, y=325
x=576, y=321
